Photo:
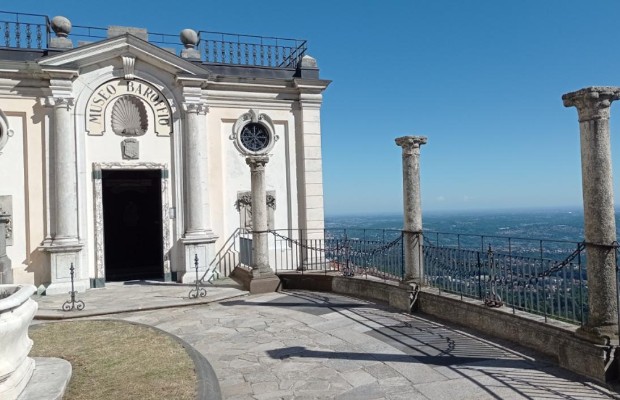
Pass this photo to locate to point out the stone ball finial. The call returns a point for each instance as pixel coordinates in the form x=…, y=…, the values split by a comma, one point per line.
x=189, y=38
x=308, y=62
x=61, y=26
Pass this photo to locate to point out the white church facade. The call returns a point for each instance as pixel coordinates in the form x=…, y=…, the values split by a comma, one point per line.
x=118, y=155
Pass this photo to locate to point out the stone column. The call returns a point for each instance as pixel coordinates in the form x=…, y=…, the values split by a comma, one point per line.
x=260, y=249
x=65, y=247
x=196, y=169
x=593, y=105
x=412, y=203
x=65, y=173
x=6, y=272
x=198, y=237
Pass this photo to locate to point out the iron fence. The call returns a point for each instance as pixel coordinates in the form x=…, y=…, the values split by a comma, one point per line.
x=33, y=31
x=351, y=252
x=24, y=31
x=538, y=276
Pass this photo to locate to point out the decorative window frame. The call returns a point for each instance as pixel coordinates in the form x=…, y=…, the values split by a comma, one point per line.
x=253, y=116
x=98, y=202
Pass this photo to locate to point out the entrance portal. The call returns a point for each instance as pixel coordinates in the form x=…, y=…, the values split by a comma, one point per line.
x=132, y=224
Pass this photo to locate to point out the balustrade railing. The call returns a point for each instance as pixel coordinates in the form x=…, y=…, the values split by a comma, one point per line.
x=24, y=31
x=32, y=31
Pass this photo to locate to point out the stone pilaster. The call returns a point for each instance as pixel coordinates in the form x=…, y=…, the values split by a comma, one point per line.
x=260, y=249
x=310, y=166
x=412, y=207
x=198, y=238
x=593, y=106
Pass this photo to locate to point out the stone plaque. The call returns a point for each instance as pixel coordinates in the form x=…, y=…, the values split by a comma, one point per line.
x=6, y=209
x=131, y=149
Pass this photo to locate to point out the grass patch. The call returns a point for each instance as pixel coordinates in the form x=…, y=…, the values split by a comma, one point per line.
x=117, y=360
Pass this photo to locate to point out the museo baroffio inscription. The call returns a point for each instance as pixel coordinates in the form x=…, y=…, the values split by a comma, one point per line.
x=98, y=107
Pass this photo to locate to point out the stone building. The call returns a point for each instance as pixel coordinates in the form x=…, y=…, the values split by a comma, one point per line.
x=119, y=149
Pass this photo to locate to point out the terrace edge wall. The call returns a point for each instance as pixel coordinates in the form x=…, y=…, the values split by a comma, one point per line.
x=556, y=339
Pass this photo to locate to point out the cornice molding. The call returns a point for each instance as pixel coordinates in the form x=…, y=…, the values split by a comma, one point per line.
x=125, y=45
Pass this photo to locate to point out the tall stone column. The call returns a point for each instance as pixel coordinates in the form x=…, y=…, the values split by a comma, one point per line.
x=260, y=249
x=198, y=237
x=65, y=174
x=65, y=246
x=412, y=204
x=593, y=106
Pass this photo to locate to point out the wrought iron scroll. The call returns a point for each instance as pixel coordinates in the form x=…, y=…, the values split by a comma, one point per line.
x=197, y=291
x=73, y=304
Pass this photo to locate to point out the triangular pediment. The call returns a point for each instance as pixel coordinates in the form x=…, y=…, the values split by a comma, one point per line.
x=124, y=45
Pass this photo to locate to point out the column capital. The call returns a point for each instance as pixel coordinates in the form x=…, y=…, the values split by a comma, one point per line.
x=196, y=108
x=592, y=102
x=59, y=102
x=257, y=162
x=410, y=143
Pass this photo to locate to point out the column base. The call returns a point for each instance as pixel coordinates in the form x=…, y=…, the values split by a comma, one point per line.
x=61, y=259
x=256, y=282
x=600, y=335
x=201, y=247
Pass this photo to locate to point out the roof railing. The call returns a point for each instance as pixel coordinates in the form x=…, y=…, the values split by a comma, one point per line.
x=33, y=31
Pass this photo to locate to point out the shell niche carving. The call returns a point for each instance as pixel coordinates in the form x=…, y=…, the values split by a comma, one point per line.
x=129, y=117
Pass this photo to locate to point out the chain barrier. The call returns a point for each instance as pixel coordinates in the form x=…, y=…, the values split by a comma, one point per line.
x=345, y=246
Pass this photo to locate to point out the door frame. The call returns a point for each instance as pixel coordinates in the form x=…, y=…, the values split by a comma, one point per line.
x=98, y=203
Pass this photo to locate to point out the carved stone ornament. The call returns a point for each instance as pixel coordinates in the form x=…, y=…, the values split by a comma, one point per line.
x=592, y=102
x=129, y=63
x=131, y=149
x=129, y=117
x=411, y=144
x=134, y=107
x=244, y=200
x=254, y=134
x=5, y=132
x=6, y=215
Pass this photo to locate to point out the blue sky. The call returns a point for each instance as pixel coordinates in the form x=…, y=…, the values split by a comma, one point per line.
x=482, y=79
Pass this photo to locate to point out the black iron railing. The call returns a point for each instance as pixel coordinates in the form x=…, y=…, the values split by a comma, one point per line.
x=376, y=253
x=542, y=277
x=24, y=31
x=33, y=31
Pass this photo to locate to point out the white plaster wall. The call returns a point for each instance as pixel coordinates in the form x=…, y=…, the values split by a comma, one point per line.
x=230, y=174
x=12, y=182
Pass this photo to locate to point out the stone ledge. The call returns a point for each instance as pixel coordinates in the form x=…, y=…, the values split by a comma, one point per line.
x=49, y=380
x=553, y=338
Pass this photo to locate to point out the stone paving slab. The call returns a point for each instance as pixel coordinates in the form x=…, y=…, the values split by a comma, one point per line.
x=120, y=297
x=304, y=345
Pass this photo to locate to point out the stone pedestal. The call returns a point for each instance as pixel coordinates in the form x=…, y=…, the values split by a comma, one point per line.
x=61, y=258
x=593, y=106
x=412, y=205
x=16, y=312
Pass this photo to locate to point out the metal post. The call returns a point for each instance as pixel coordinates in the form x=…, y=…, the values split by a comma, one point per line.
x=72, y=303
x=197, y=291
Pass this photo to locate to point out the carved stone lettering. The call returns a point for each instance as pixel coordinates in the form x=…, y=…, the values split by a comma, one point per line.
x=104, y=99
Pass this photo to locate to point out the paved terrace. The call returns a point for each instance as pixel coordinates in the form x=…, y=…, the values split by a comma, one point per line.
x=309, y=345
